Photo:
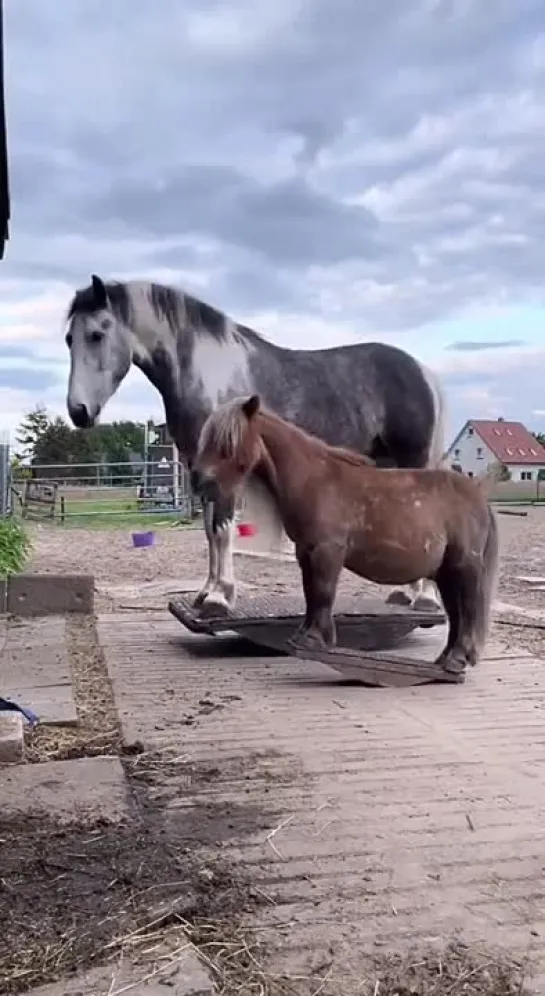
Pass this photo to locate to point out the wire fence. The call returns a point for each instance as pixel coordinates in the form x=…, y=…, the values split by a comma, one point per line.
x=90, y=493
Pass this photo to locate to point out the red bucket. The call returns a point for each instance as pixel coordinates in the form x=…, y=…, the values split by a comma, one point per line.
x=246, y=529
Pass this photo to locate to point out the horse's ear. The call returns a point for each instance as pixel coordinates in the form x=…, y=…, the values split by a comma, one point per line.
x=251, y=406
x=99, y=292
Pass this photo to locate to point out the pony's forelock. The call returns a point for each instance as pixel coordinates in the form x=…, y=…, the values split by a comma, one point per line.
x=225, y=429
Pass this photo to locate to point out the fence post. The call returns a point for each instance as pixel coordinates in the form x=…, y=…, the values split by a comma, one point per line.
x=4, y=479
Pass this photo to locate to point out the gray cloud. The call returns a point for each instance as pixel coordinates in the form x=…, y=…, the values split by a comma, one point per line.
x=474, y=347
x=308, y=135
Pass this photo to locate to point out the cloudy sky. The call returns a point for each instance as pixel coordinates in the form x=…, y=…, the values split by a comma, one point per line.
x=324, y=170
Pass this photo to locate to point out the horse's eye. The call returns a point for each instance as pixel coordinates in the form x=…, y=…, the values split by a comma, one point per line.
x=97, y=336
x=68, y=339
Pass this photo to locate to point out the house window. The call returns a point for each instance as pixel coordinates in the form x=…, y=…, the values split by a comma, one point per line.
x=526, y=475
x=470, y=473
x=470, y=430
x=479, y=453
x=456, y=452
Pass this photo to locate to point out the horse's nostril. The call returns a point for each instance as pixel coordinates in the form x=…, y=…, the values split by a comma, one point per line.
x=79, y=416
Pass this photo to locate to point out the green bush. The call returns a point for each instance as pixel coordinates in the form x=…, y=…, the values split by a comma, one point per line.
x=14, y=547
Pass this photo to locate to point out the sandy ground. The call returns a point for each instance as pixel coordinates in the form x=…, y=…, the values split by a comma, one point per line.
x=181, y=554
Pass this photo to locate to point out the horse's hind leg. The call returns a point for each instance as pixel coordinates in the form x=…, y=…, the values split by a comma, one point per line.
x=461, y=590
x=320, y=569
x=422, y=595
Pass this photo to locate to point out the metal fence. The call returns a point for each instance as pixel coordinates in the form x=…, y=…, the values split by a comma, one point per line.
x=90, y=491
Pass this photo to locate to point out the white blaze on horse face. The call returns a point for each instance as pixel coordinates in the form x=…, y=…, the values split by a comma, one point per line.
x=100, y=357
x=220, y=368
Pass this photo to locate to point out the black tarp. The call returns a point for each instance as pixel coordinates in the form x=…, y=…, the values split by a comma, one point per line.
x=4, y=183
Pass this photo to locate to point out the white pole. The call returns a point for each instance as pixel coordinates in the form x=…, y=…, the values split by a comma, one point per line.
x=176, y=472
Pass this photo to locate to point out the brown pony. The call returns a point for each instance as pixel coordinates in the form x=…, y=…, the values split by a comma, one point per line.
x=387, y=525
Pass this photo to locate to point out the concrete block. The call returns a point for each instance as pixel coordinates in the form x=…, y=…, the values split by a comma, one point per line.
x=11, y=737
x=184, y=976
x=50, y=594
x=68, y=791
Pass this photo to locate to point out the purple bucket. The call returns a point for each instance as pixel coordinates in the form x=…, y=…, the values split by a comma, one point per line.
x=143, y=539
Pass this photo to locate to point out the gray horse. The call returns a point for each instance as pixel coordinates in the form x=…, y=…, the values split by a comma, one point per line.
x=370, y=397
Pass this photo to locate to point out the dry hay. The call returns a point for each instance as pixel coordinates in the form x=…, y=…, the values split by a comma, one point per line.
x=458, y=970
x=98, y=730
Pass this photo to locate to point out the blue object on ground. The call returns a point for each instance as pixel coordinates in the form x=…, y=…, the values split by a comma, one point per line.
x=7, y=706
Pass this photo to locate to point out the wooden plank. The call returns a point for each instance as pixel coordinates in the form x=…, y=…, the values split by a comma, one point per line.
x=256, y=609
x=367, y=624
x=384, y=671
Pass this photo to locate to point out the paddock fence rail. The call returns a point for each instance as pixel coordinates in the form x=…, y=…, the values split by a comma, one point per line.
x=88, y=493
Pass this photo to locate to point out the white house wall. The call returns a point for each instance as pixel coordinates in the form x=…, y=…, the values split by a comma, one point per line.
x=518, y=469
x=471, y=453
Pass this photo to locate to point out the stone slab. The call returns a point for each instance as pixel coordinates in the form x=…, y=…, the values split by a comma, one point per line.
x=67, y=791
x=11, y=737
x=35, y=669
x=182, y=976
x=50, y=594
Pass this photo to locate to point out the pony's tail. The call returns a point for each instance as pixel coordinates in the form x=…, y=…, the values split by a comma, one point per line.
x=486, y=588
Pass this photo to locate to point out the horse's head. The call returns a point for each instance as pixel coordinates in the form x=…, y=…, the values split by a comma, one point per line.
x=229, y=448
x=99, y=340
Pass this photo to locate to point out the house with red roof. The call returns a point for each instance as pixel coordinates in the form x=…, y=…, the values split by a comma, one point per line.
x=483, y=443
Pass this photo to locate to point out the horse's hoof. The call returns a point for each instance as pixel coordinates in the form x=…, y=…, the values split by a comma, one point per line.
x=399, y=598
x=213, y=608
x=200, y=599
x=424, y=604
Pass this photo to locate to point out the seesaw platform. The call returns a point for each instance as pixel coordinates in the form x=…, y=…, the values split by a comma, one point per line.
x=366, y=629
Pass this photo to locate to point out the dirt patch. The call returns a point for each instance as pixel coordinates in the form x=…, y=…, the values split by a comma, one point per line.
x=75, y=897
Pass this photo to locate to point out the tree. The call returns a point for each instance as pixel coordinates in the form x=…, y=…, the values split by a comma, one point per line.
x=540, y=436
x=498, y=471
x=35, y=423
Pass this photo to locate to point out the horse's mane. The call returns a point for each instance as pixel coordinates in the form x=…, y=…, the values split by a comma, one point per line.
x=178, y=309
x=225, y=427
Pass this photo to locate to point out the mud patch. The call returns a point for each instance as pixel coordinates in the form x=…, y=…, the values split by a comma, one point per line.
x=75, y=897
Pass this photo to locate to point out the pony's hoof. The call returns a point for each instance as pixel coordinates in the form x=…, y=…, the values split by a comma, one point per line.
x=399, y=597
x=307, y=640
x=452, y=664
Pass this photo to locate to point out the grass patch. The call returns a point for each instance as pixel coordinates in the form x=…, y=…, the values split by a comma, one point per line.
x=14, y=546
x=112, y=514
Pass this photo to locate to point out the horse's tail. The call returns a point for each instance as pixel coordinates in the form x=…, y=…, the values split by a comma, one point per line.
x=437, y=440
x=486, y=587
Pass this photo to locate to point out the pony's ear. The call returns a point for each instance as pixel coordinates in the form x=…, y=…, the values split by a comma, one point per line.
x=99, y=292
x=251, y=406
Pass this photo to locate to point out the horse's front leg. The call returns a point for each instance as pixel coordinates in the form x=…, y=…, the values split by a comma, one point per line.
x=213, y=554
x=220, y=598
x=321, y=567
